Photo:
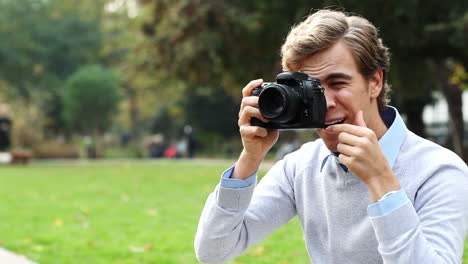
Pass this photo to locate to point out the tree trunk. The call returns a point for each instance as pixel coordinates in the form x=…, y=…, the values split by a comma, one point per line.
x=453, y=95
x=132, y=110
x=414, y=112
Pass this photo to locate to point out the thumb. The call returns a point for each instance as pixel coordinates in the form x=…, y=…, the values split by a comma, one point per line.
x=360, y=119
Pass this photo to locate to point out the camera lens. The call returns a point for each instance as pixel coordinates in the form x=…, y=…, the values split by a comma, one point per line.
x=278, y=103
x=271, y=103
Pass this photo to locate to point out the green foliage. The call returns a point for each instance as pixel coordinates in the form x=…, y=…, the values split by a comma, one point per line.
x=163, y=121
x=213, y=44
x=43, y=46
x=459, y=76
x=39, y=51
x=216, y=111
x=167, y=123
x=213, y=48
x=90, y=99
x=169, y=49
x=208, y=43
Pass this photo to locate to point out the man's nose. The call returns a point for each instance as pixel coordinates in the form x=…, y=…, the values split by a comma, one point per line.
x=329, y=96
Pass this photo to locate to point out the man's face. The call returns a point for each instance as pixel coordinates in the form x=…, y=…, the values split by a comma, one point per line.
x=346, y=90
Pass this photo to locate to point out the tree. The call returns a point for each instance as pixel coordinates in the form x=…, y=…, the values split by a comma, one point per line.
x=212, y=112
x=223, y=44
x=453, y=90
x=426, y=38
x=90, y=99
x=40, y=50
x=44, y=42
x=207, y=50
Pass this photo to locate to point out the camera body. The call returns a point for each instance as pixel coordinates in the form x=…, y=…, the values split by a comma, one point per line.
x=295, y=101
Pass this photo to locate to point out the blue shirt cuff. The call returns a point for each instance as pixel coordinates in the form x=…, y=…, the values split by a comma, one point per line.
x=388, y=204
x=228, y=182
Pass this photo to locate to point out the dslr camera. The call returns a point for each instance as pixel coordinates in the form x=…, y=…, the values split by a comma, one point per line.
x=295, y=101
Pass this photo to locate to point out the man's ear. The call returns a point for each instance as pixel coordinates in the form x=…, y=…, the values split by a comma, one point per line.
x=376, y=83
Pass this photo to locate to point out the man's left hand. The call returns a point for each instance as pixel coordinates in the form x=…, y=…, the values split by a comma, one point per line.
x=361, y=153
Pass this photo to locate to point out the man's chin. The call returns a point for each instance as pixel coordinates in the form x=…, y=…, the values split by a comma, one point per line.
x=325, y=134
x=331, y=147
x=324, y=131
x=329, y=139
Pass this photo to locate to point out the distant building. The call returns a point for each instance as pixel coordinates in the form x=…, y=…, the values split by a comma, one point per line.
x=436, y=118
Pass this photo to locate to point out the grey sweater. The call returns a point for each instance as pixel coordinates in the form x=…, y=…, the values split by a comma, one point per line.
x=332, y=206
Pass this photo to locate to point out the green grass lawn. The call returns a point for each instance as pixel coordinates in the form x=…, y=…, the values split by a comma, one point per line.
x=131, y=212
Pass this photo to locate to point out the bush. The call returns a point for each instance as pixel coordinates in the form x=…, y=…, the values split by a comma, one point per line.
x=90, y=99
x=56, y=150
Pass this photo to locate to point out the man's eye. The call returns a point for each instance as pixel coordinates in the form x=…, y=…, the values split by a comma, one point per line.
x=337, y=83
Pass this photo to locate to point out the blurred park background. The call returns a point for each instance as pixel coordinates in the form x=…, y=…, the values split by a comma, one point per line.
x=112, y=74
x=120, y=81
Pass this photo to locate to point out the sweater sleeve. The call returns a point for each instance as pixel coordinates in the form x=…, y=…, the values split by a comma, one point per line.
x=235, y=219
x=433, y=228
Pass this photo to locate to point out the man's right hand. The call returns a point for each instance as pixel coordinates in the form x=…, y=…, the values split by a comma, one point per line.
x=257, y=141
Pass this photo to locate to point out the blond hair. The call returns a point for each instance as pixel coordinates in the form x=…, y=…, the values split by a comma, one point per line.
x=324, y=28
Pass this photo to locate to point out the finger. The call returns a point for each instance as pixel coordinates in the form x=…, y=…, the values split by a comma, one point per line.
x=359, y=121
x=351, y=129
x=349, y=139
x=345, y=159
x=253, y=131
x=348, y=150
x=247, y=113
x=247, y=90
x=273, y=134
x=249, y=100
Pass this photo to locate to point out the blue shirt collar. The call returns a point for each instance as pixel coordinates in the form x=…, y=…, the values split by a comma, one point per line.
x=391, y=141
x=394, y=137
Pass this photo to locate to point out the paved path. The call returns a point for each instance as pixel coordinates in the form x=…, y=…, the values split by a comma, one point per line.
x=7, y=257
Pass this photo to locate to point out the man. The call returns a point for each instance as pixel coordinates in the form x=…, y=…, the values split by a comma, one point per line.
x=368, y=191
x=5, y=126
x=5, y=130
